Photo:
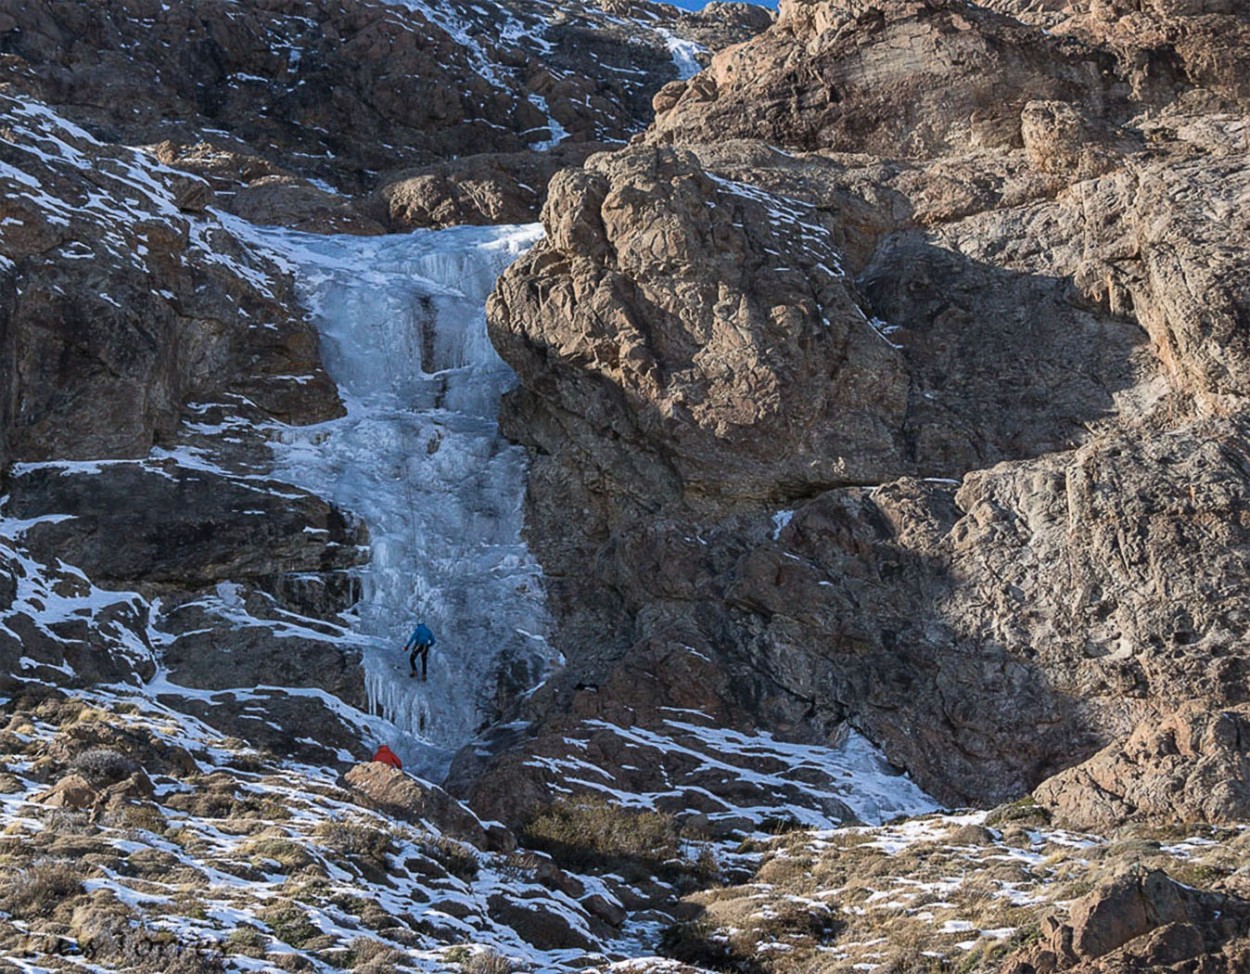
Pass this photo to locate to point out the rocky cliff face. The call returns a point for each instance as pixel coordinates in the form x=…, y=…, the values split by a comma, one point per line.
x=149, y=354
x=920, y=407
x=887, y=389
x=297, y=111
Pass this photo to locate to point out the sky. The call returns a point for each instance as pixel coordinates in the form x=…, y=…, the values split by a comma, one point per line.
x=699, y=4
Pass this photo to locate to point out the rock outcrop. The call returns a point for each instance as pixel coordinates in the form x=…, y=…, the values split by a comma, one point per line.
x=1194, y=766
x=292, y=108
x=1143, y=921
x=397, y=794
x=990, y=513
x=147, y=353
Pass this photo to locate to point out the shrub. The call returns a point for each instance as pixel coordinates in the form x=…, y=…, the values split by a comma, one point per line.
x=1024, y=811
x=591, y=833
x=138, y=815
x=453, y=856
x=290, y=924
x=246, y=940
x=356, y=838
x=103, y=766
x=38, y=890
x=289, y=856
x=68, y=821
x=700, y=944
x=487, y=962
x=116, y=942
x=367, y=954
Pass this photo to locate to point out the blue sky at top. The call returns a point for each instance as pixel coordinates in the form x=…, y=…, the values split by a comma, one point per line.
x=699, y=4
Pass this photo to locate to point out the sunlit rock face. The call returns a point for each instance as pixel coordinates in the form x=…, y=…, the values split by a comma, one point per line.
x=867, y=435
x=990, y=515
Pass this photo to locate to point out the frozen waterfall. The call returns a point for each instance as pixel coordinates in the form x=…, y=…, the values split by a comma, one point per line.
x=419, y=457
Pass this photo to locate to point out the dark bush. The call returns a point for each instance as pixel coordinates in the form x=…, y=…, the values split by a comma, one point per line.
x=591, y=833
x=123, y=945
x=103, y=766
x=700, y=944
x=457, y=858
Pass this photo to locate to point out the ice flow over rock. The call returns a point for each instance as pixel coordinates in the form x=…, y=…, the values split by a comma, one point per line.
x=419, y=457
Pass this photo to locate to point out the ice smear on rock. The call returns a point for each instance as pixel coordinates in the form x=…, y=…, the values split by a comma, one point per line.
x=419, y=457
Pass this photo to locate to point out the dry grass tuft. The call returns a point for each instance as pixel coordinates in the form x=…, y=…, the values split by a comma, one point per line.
x=594, y=834
x=36, y=891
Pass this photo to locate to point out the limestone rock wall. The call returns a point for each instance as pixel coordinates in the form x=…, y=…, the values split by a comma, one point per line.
x=973, y=482
x=149, y=354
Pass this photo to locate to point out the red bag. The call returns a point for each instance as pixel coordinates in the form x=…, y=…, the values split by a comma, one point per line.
x=387, y=756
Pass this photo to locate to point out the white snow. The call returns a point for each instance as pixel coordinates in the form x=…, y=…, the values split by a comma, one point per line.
x=854, y=772
x=685, y=53
x=558, y=132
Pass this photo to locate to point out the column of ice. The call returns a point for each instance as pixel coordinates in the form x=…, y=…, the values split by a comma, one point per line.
x=419, y=457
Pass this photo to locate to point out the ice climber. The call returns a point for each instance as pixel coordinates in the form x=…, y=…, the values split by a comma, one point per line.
x=419, y=644
x=387, y=756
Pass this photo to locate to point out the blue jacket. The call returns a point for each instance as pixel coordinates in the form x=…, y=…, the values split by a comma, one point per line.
x=421, y=634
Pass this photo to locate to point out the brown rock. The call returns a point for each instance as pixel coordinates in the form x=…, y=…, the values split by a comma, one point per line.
x=899, y=78
x=338, y=92
x=399, y=794
x=1061, y=334
x=72, y=792
x=610, y=913
x=536, y=924
x=294, y=203
x=478, y=189
x=1191, y=767
x=1138, y=922
x=137, y=787
x=103, y=354
x=707, y=325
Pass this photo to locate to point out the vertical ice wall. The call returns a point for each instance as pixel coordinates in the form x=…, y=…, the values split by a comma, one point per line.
x=419, y=457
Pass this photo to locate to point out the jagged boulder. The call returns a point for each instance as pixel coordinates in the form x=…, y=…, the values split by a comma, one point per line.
x=702, y=326
x=1142, y=921
x=478, y=189
x=1191, y=767
x=73, y=792
x=537, y=922
x=396, y=793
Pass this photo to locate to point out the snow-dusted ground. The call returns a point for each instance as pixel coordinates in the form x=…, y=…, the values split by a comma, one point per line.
x=811, y=785
x=419, y=457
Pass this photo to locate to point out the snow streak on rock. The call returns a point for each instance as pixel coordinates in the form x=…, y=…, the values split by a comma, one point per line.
x=419, y=457
x=814, y=786
x=685, y=53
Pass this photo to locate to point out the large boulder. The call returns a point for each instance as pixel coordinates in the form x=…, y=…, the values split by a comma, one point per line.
x=1141, y=921
x=698, y=332
x=396, y=793
x=482, y=189
x=1191, y=767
